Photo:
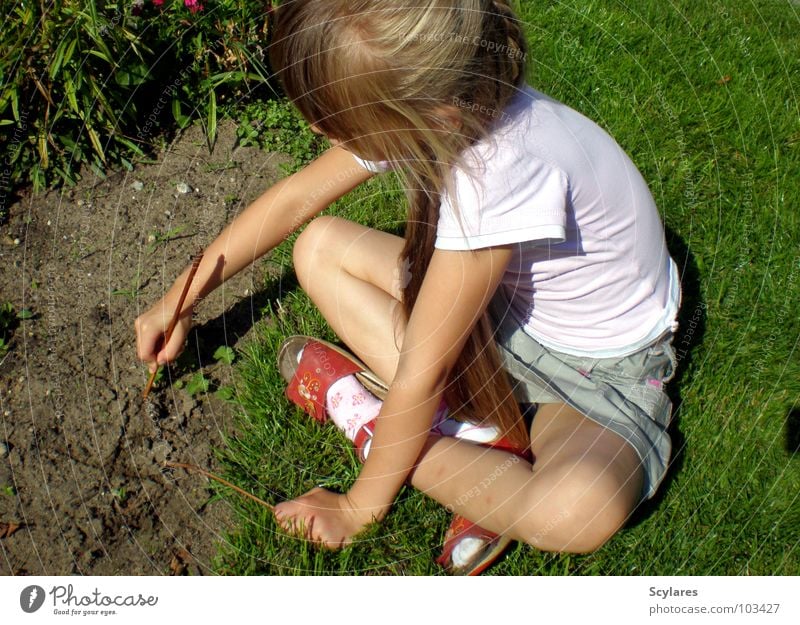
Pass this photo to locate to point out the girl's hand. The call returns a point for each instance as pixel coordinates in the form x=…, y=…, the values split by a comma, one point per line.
x=150, y=329
x=322, y=516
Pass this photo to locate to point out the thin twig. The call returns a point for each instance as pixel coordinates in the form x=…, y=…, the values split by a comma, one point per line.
x=175, y=315
x=211, y=476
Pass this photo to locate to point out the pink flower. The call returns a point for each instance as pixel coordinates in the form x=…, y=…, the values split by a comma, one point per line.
x=158, y=3
x=193, y=5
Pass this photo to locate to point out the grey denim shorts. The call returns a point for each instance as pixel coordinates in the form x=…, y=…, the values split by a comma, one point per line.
x=625, y=395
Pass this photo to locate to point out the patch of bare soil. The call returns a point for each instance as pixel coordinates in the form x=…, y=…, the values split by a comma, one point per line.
x=81, y=453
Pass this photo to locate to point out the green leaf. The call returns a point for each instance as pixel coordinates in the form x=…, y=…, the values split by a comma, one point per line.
x=57, y=59
x=105, y=106
x=6, y=316
x=25, y=313
x=198, y=384
x=15, y=104
x=212, y=119
x=224, y=354
x=42, y=145
x=70, y=51
x=92, y=6
x=101, y=55
x=69, y=87
x=225, y=77
x=95, y=139
x=225, y=393
x=180, y=118
x=133, y=75
x=127, y=142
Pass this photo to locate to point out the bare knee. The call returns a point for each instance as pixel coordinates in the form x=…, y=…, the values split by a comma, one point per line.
x=578, y=509
x=313, y=248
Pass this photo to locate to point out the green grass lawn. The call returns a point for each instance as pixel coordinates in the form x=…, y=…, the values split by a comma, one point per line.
x=704, y=97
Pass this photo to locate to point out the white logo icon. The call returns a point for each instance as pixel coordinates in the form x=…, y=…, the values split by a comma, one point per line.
x=31, y=598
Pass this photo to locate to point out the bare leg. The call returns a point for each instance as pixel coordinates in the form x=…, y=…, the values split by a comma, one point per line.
x=352, y=274
x=586, y=480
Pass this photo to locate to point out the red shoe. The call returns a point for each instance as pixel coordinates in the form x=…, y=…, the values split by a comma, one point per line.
x=493, y=545
x=461, y=529
x=308, y=381
x=322, y=364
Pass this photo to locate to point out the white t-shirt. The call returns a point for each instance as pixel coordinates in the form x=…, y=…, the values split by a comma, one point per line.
x=591, y=275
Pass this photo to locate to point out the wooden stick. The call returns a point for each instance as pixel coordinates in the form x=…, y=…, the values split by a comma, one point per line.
x=173, y=322
x=211, y=476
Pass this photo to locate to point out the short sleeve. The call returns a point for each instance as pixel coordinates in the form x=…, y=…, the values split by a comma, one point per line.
x=514, y=200
x=376, y=167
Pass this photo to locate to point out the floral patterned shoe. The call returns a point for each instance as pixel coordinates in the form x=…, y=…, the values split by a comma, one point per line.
x=319, y=366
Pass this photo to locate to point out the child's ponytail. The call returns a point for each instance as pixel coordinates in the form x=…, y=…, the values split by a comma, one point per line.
x=517, y=46
x=377, y=75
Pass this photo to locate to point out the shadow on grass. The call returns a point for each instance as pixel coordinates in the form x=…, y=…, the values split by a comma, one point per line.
x=793, y=431
x=235, y=322
x=692, y=327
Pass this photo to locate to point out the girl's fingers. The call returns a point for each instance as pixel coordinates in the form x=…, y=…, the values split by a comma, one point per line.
x=146, y=343
x=173, y=349
x=299, y=523
x=286, y=518
x=151, y=328
x=298, y=526
x=170, y=351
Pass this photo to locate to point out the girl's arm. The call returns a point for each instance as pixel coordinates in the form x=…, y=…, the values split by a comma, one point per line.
x=264, y=224
x=455, y=292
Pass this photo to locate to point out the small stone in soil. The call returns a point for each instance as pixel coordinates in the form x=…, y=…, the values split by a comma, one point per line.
x=161, y=449
x=184, y=188
x=152, y=410
x=137, y=185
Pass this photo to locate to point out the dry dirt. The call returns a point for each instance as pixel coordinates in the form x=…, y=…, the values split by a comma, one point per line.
x=81, y=454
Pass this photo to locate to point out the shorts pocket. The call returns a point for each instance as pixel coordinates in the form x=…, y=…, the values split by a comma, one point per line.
x=625, y=370
x=640, y=378
x=655, y=362
x=664, y=354
x=650, y=397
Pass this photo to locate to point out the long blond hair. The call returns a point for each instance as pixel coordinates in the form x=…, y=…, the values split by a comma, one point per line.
x=381, y=76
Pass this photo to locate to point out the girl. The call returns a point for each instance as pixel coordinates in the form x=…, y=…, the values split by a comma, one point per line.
x=534, y=274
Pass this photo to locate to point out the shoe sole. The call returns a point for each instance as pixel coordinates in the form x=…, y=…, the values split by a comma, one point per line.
x=287, y=363
x=484, y=560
